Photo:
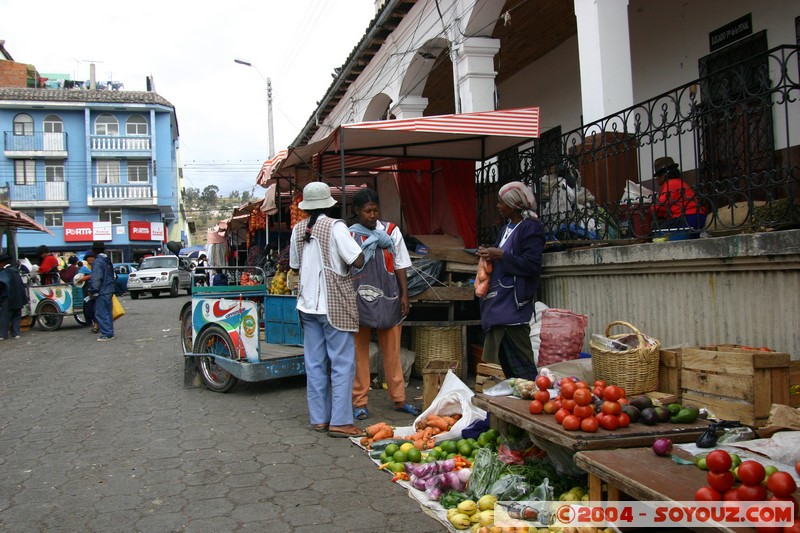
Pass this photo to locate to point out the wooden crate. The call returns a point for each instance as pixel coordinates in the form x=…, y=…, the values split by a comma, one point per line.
x=669, y=372
x=488, y=375
x=432, y=377
x=735, y=384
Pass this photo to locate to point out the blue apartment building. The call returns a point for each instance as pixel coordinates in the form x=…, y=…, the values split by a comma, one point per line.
x=92, y=165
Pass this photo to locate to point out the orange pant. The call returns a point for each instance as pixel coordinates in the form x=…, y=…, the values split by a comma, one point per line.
x=389, y=341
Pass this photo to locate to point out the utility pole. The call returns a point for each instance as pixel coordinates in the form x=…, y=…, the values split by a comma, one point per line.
x=269, y=118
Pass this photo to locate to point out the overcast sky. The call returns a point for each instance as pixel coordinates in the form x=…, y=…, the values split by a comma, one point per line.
x=189, y=47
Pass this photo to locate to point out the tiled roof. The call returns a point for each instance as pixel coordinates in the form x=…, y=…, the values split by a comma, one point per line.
x=79, y=95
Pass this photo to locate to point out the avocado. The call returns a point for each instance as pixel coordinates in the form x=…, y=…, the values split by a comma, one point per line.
x=649, y=417
x=641, y=402
x=663, y=414
x=633, y=413
x=674, y=408
x=687, y=415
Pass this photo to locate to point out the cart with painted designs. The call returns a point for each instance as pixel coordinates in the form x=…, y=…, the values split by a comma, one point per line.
x=49, y=304
x=239, y=332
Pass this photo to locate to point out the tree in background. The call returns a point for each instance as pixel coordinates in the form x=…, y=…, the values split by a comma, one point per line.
x=246, y=196
x=191, y=195
x=234, y=195
x=209, y=195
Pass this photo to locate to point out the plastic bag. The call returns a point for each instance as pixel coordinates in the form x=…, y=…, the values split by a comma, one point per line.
x=511, y=487
x=636, y=193
x=562, y=336
x=486, y=470
x=536, y=329
x=454, y=397
x=483, y=277
x=501, y=389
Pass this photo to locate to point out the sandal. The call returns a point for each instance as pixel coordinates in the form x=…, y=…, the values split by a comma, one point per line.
x=360, y=413
x=352, y=431
x=322, y=428
x=408, y=408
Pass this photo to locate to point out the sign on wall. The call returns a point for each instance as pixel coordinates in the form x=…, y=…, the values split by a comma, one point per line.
x=87, y=231
x=731, y=32
x=146, y=231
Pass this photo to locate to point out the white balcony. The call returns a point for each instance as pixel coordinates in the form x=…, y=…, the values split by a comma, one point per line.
x=39, y=194
x=122, y=194
x=115, y=145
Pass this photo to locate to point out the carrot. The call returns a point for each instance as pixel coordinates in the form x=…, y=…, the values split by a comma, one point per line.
x=418, y=444
x=384, y=432
x=364, y=441
x=450, y=420
x=431, y=443
x=373, y=429
x=427, y=433
x=439, y=424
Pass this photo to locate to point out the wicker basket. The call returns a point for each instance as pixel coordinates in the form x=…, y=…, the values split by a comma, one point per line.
x=635, y=370
x=443, y=344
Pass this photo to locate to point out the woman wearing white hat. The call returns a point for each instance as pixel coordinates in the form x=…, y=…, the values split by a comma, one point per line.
x=322, y=251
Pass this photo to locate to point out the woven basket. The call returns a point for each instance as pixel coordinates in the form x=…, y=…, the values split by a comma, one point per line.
x=635, y=370
x=442, y=344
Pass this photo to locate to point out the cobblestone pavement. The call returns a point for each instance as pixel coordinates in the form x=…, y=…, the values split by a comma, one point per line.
x=104, y=437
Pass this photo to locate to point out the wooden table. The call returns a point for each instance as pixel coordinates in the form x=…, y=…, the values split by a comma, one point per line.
x=643, y=476
x=515, y=411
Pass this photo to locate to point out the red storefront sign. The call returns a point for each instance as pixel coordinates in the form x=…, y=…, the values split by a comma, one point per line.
x=146, y=231
x=87, y=231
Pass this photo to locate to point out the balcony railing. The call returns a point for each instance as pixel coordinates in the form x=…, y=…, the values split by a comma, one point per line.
x=116, y=143
x=121, y=192
x=40, y=192
x=735, y=134
x=39, y=141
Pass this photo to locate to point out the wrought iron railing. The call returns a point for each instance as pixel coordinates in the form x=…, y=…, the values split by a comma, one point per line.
x=734, y=133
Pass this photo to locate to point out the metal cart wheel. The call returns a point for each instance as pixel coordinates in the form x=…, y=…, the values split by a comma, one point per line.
x=215, y=340
x=186, y=329
x=48, y=317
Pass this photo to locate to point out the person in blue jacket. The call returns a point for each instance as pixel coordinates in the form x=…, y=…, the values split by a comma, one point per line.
x=102, y=289
x=13, y=297
x=516, y=259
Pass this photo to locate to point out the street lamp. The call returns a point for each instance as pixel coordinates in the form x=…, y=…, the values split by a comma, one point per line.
x=268, y=81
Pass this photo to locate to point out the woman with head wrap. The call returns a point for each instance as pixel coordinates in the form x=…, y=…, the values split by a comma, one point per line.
x=516, y=261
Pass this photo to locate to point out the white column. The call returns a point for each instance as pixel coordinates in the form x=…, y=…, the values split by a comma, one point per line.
x=409, y=107
x=605, y=57
x=476, y=74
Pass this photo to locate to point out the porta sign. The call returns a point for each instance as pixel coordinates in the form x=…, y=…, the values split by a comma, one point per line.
x=87, y=231
x=146, y=231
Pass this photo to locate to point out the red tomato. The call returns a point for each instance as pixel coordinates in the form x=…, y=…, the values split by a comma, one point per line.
x=707, y=494
x=543, y=383
x=752, y=493
x=589, y=425
x=582, y=385
x=623, y=401
x=583, y=411
x=720, y=481
x=536, y=407
x=541, y=395
x=611, y=408
x=609, y=422
x=598, y=391
x=794, y=528
x=750, y=472
x=612, y=393
x=731, y=495
x=569, y=405
x=561, y=414
x=622, y=393
x=582, y=396
x=718, y=461
x=567, y=389
x=550, y=407
x=599, y=383
x=571, y=423
x=781, y=484
x=624, y=420
x=558, y=405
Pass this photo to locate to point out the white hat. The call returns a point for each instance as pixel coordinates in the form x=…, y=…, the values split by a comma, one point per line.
x=316, y=195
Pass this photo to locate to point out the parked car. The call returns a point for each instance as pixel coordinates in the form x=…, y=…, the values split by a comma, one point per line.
x=161, y=273
x=123, y=270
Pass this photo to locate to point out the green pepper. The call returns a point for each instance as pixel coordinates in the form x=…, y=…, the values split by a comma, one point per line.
x=687, y=415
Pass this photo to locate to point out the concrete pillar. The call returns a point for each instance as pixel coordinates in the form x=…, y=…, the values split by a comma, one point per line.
x=605, y=57
x=475, y=73
x=409, y=107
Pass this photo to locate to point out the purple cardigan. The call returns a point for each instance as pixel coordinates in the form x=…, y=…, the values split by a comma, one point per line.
x=515, y=277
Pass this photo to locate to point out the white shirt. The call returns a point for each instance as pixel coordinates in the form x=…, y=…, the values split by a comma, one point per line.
x=313, y=297
x=401, y=257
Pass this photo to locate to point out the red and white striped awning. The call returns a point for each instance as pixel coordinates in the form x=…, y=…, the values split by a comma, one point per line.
x=268, y=167
x=378, y=145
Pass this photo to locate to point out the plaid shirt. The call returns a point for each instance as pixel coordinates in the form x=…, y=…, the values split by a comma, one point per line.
x=341, y=296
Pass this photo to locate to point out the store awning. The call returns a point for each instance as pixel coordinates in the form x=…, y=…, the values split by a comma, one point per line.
x=18, y=220
x=379, y=145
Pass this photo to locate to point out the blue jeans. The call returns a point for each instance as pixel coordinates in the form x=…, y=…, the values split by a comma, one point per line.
x=9, y=317
x=330, y=370
x=102, y=314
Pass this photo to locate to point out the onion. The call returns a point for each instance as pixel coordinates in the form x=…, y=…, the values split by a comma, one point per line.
x=434, y=494
x=446, y=465
x=662, y=447
x=454, y=482
x=418, y=483
x=463, y=474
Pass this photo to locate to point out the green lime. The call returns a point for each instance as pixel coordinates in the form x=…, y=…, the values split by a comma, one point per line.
x=429, y=459
x=384, y=458
x=701, y=463
x=438, y=449
x=391, y=449
x=400, y=457
x=473, y=442
x=449, y=446
x=433, y=453
x=414, y=455
x=464, y=449
x=491, y=435
x=397, y=467
x=451, y=455
x=482, y=440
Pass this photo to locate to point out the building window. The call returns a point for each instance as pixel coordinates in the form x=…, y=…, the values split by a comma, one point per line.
x=106, y=125
x=53, y=218
x=138, y=172
x=53, y=124
x=23, y=124
x=54, y=172
x=110, y=215
x=24, y=172
x=136, y=125
x=28, y=212
x=107, y=172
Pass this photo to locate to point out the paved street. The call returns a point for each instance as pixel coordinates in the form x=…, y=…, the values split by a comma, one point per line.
x=104, y=437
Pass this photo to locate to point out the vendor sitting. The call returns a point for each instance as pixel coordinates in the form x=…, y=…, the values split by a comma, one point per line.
x=677, y=205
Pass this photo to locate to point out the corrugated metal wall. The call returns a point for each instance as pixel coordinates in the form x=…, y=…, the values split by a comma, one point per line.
x=744, y=290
